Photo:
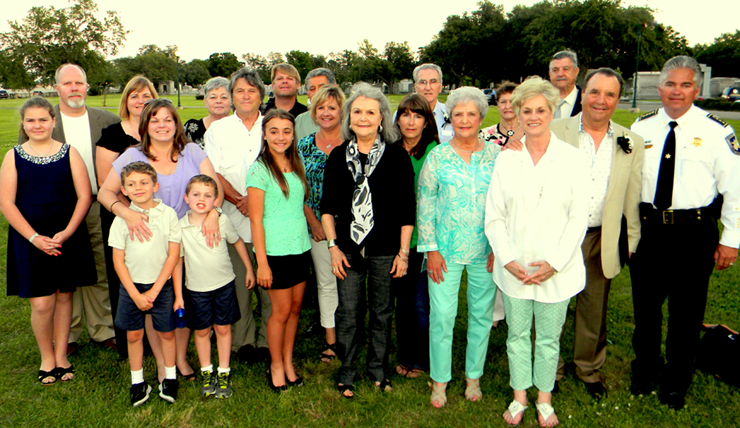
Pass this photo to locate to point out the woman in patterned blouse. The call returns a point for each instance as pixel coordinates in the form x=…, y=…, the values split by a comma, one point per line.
x=326, y=111
x=218, y=103
x=452, y=197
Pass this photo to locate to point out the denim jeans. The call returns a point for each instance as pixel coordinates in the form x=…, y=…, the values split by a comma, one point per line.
x=350, y=315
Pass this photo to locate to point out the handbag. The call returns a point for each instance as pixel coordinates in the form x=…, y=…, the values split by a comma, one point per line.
x=719, y=353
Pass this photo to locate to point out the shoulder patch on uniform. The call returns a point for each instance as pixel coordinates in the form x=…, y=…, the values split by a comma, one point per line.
x=647, y=115
x=732, y=142
x=718, y=120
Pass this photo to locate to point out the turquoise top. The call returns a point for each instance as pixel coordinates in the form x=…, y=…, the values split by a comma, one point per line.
x=283, y=218
x=417, y=164
x=451, y=207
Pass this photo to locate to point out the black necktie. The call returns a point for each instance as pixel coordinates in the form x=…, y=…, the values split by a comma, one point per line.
x=664, y=189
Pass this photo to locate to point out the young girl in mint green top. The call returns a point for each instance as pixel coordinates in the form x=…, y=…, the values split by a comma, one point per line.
x=276, y=192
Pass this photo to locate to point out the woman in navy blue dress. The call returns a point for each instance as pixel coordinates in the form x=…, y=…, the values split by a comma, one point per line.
x=45, y=195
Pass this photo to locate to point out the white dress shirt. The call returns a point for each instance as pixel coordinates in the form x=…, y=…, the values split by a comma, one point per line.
x=600, y=167
x=232, y=149
x=566, y=104
x=539, y=213
x=705, y=165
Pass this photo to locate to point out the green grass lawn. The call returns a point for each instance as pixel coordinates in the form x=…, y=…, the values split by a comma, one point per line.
x=98, y=396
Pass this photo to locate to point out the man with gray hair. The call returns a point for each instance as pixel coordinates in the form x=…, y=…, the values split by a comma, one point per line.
x=428, y=83
x=233, y=144
x=563, y=74
x=315, y=79
x=81, y=126
x=691, y=157
x=615, y=157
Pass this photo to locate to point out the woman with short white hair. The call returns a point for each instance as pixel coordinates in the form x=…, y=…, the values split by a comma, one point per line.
x=452, y=198
x=536, y=218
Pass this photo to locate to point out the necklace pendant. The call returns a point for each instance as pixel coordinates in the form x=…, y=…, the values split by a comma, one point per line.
x=328, y=146
x=510, y=132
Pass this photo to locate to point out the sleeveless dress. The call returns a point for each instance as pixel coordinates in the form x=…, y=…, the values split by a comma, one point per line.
x=46, y=197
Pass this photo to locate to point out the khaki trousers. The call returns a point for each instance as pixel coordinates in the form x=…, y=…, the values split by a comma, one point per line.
x=244, y=331
x=91, y=302
x=589, y=348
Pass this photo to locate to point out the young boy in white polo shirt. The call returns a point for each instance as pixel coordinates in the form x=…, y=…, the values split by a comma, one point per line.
x=210, y=292
x=146, y=270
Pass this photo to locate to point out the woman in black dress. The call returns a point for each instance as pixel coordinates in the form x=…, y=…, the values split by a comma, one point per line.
x=217, y=99
x=45, y=194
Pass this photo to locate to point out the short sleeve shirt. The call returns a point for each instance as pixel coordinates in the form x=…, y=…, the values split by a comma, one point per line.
x=283, y=218
x=145, y=260
x=208, y=268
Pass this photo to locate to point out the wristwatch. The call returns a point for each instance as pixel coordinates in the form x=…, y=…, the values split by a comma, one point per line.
x=331, y=243
x=218, y=210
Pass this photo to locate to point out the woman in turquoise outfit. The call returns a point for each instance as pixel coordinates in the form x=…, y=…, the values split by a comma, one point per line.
x=326, y=112
x=415, y=121
x=451, y=205
x=277, y=190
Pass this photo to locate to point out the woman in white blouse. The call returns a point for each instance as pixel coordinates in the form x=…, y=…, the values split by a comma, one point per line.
x=536, y=218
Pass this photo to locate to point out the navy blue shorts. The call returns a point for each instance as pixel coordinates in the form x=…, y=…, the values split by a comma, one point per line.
x=206, y=308
x=131, y=318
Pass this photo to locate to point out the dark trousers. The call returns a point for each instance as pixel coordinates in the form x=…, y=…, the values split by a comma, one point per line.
x=106, y=221
x=672, y=262
x=412, y=314
x=350, y=315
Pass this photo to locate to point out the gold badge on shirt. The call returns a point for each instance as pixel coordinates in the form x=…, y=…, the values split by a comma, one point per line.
x=648, y=144
x=696, y=142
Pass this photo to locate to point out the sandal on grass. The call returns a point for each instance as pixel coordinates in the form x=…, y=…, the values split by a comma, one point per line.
x=328, y=358
x=190, y=377
x=61, y=372
x=44, y=375
x=343, y=389
x=439, y=396
x=546, y=411
x=515, y=408
x=403, y=369
x=473, y=392
x=415, y=372
x=384, y=386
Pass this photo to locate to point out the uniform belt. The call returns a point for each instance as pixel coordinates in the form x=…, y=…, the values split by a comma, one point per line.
x=648, y=214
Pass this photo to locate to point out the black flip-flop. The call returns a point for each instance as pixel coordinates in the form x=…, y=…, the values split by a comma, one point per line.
x=44, y=374
x=60, y=372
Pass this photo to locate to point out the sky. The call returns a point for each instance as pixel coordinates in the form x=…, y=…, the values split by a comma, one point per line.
x=241, y=27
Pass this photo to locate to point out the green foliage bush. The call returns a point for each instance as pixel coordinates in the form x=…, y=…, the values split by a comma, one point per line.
x=717, y=104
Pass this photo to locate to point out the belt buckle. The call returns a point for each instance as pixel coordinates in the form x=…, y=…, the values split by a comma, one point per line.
x=668, y=217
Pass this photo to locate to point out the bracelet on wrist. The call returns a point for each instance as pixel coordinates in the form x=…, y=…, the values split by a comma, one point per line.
x=405, y=252
x=111, y=205
x=34, y=236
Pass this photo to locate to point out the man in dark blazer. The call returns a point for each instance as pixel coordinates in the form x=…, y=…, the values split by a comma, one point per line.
x=615, y=154
x=81, y=127
x=563, y=73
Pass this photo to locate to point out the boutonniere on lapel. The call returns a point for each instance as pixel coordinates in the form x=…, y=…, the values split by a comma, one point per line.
x=625, y=143
x=446, y=118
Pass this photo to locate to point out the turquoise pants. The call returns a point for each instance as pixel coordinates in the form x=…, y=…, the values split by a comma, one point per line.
x=443, y=310
x=548, y=323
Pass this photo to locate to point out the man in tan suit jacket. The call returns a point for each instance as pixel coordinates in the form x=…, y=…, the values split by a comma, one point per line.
x=615, y=154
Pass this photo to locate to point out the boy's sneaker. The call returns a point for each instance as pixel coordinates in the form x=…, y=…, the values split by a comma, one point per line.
x=140, y=393
x=168, y=390
x=210, y=383
x=224, y=386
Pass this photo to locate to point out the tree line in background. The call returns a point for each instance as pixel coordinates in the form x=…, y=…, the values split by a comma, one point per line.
x=478, y=48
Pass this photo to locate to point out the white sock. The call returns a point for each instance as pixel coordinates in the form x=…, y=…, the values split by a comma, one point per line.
x=226, y=370
x=170, y=372
x=137, y=376
x=207, y=368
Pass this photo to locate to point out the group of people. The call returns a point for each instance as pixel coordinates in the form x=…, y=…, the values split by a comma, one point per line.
x=388, y=210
